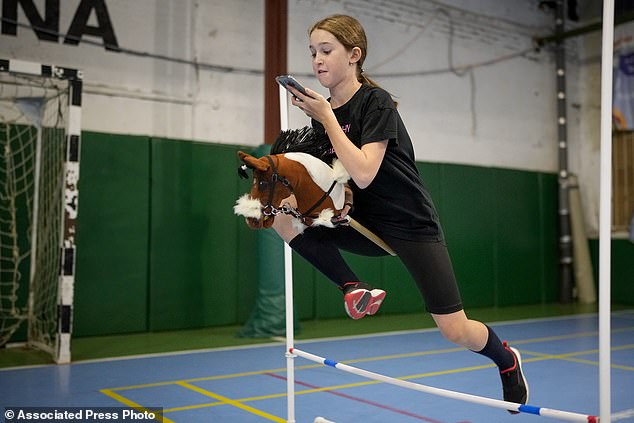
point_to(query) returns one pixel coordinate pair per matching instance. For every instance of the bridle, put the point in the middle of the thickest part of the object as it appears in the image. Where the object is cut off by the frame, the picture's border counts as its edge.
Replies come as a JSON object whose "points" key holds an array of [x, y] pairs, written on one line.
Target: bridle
{"points": [[269, 209]]}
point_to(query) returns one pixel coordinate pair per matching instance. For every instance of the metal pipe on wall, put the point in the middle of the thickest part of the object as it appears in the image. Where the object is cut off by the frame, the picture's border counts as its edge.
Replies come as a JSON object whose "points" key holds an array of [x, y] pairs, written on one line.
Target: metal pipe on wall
{"points": [[565, 238]]}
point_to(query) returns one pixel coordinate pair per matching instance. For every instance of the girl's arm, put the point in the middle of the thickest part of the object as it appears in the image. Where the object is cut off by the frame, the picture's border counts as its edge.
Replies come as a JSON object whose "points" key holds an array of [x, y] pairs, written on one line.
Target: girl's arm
{"points": [[361, 163]]}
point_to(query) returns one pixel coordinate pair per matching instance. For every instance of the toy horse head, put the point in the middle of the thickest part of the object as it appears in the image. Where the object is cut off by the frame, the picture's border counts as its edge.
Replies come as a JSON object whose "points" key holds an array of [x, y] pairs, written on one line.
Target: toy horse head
{"points": [[317, 187]]}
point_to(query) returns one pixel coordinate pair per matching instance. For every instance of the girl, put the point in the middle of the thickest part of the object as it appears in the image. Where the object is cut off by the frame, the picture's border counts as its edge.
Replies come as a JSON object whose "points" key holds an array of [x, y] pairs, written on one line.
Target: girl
{"points": [[370, 139]]}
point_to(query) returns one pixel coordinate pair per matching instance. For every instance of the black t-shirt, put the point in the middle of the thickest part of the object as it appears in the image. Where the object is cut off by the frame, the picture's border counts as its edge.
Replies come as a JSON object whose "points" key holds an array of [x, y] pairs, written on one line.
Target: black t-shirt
{"points": [[396, 203]]}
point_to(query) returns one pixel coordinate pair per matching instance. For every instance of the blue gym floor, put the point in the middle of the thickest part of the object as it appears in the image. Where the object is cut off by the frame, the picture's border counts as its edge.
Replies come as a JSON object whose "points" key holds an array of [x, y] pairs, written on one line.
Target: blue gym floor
{"points": [[243, 385]]}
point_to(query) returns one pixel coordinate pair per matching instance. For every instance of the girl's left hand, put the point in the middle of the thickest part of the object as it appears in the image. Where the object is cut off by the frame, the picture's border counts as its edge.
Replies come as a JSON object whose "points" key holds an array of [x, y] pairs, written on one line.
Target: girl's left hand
{"points": [[348, 205], [347, 208]]}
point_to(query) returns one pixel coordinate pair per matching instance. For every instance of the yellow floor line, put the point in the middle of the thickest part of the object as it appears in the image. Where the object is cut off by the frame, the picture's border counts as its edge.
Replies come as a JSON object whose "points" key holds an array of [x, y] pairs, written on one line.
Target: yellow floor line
{"points": [[193, 407], [133, 404], [215, 377], [234, 403], [570, 336], [571, 356]]}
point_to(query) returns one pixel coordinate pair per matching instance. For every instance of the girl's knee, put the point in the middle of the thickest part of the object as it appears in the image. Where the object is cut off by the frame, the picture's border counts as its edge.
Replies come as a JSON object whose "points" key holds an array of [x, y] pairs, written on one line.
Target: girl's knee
{"points": [[454, 327], [284, 227], [453, 333]]}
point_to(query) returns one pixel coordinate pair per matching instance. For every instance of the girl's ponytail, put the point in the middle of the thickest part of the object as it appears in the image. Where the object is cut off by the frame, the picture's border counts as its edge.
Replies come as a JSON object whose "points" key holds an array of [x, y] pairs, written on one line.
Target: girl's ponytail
{"points": [[364, 79]]}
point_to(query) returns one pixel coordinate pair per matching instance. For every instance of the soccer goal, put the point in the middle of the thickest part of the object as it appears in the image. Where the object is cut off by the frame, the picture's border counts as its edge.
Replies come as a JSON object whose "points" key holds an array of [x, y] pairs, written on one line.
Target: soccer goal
{"points": [[40, 127]]}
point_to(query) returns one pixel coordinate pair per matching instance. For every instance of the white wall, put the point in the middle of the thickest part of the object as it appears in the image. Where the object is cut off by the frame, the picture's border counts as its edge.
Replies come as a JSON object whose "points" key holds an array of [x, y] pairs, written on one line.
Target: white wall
{"points": [[501, 114], [139, 95]]}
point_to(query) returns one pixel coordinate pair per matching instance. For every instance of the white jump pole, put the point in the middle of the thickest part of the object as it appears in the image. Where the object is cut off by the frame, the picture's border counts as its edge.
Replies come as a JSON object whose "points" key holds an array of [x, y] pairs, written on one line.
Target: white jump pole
{"points": [[288, 292], [605, 211], [490, 402]]}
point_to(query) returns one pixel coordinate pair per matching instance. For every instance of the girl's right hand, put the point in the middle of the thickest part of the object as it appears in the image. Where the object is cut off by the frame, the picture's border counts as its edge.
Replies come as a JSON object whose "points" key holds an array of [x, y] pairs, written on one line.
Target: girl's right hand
{"points": [[315, 106]]}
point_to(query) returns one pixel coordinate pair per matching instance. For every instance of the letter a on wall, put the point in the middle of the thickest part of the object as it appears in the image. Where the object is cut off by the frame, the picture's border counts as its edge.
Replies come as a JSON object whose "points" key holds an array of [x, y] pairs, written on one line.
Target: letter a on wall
{"points": [[79, 26]]}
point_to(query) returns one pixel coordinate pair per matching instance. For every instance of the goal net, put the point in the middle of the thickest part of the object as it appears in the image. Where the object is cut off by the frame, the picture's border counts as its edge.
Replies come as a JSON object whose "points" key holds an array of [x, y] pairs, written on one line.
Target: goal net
{"points": [[39, 169]]}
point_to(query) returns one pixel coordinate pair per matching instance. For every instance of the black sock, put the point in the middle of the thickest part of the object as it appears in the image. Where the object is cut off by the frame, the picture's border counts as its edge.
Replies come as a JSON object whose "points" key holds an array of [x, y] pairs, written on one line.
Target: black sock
{"points": [[495, 350], [325, 257]]}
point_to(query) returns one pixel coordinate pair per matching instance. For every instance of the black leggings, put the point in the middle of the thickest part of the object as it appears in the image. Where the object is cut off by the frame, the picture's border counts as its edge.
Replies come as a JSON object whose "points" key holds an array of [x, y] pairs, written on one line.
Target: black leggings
{"points": [[428, 262]]}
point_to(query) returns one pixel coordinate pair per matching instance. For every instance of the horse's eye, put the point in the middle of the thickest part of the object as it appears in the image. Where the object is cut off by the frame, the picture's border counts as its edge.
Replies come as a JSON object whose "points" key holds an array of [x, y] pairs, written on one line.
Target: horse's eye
{"points": [[263, 186]]}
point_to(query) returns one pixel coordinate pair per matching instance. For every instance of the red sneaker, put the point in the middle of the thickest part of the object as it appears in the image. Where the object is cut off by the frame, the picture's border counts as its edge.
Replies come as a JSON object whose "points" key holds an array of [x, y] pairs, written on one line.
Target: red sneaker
{"points": [[360, 299]]}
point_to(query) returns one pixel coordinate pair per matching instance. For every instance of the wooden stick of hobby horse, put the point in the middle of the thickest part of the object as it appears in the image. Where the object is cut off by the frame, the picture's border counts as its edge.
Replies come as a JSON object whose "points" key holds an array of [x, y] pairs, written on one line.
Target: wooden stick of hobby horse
{"points": [[371, 236]]}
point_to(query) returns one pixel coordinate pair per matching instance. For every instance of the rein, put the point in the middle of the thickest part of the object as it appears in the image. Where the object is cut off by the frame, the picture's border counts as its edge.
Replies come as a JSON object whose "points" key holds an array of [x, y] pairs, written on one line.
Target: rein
{"points": [[303, 217]]}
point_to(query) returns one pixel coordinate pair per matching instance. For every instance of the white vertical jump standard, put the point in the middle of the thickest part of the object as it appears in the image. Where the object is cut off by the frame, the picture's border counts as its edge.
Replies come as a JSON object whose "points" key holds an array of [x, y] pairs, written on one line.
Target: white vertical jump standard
{"points": [[288, 292], [605, 212]]}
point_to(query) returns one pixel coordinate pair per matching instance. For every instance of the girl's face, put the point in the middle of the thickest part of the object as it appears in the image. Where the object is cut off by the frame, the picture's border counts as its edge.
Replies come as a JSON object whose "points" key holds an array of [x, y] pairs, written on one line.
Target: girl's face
{"points": [[332, 62]]}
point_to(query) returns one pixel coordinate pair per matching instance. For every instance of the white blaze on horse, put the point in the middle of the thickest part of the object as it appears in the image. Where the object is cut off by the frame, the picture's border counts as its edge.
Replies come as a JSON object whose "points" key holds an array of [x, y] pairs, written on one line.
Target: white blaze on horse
{"points": [[319, 190]]}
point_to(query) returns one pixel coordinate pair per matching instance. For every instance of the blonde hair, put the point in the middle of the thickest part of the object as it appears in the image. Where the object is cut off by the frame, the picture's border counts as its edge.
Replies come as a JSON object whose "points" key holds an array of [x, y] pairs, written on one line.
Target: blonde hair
{"points": [[349, 32]]}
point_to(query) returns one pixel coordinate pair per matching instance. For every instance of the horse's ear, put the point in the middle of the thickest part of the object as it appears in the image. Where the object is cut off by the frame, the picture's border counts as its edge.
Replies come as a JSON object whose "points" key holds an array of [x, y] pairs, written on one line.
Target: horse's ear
{"points": [[258, 164]]}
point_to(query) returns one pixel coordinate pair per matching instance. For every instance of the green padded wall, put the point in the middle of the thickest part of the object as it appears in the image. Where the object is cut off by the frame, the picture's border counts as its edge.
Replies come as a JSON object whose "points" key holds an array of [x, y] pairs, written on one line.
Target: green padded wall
{"points": [[159, 246], [111, 287], [622, 272], [465, 198], [519, 238], [501, 231], [305, 289], [193, 246]]}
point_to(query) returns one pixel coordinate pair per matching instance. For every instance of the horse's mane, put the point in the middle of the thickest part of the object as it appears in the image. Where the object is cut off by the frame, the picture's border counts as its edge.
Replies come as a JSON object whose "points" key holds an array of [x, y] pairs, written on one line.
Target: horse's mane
{"points": [[304, 140]]}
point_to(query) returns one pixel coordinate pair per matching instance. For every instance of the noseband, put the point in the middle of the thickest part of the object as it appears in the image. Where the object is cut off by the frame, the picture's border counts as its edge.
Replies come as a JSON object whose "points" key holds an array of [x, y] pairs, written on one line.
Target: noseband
{"points": [[269, 209]]}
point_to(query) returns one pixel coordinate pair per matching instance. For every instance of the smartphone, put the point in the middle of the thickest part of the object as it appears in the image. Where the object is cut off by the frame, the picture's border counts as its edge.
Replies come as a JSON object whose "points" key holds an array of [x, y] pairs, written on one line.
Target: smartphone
{"points": [[287, 80]]}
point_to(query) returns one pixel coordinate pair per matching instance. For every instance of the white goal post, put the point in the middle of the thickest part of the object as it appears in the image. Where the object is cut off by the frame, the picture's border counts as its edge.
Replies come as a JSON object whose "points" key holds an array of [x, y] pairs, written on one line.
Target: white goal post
{"points": [[40, 134]]}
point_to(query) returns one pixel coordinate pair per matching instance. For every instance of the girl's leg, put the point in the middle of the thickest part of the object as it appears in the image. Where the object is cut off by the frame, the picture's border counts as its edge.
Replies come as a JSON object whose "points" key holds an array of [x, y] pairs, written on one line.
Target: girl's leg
{"points": [[320, 247], [474, 335], [480, 338], [430, 266]]}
